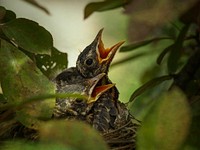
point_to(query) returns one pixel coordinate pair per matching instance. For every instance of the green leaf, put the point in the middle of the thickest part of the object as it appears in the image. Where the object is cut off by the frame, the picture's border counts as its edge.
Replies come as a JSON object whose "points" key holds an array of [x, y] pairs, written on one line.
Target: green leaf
{"points": [[103, 6], [29, 35], [2, 13], [27, 145], [167, 124], [142, 43], [6, 15], [51, 65], [150, 84], [193, 137], [72, 133], [175, 53], [21, 80], [10, 15], [196, 107], [163, 53], [2, 99]]}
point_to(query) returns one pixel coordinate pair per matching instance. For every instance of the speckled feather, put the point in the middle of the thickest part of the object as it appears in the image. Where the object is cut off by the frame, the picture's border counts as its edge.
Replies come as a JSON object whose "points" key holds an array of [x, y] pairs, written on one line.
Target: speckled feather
{"points": [[69, 81]]}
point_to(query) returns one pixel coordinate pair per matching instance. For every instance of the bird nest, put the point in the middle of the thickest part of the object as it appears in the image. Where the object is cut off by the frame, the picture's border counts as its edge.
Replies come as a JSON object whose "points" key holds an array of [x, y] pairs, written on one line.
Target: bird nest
{"points": [[124, 137]]}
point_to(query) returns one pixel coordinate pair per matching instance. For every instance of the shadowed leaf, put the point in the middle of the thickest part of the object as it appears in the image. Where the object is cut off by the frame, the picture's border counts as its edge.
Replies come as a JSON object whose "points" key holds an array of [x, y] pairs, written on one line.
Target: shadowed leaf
{"points": [[2, 13], [21, 80], [27, 145], [163, 53], [51, 65], [175, 53], [2, 99], [103, 6], [148, 85], [6, 15], [167, 124], [142, 43], [28, 35], [36, 4], [193, 137], [72, 133], [10, 15]]}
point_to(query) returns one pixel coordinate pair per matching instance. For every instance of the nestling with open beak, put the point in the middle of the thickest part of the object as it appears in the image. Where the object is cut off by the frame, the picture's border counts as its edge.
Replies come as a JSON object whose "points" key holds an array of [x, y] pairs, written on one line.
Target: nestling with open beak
{"points": [[95, 59], [79, 107]]}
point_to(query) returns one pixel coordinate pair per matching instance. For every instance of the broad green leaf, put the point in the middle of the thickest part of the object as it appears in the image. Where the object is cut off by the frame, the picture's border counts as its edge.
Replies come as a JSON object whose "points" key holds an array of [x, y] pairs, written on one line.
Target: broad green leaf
{"points": [[142, 43], [193, 137], [163, 53], [28, 35], [150, 84], [27, 145], [29, 119], [175, 53], [2, 98], [36, 4], [166, 125], [103, 6], [51, 65], [72, 133], [21, 80], [195, 105]]}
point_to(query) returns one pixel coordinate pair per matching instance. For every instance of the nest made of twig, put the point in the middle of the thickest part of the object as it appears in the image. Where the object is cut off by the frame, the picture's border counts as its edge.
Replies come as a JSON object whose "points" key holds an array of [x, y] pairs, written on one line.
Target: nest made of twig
{"points": [[124, 137]]}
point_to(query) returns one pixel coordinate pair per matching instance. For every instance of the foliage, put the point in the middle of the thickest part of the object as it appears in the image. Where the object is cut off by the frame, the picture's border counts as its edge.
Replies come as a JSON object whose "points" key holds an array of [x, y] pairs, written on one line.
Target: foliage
{"points": [[29, 62], [20, 77], [62, 135], [172, 118], [164, 129]]}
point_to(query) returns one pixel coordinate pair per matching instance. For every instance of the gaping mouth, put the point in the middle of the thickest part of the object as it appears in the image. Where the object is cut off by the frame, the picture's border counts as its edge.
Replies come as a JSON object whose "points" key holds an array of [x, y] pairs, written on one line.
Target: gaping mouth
{"points": [[99, 90], [96, 91], [105, 54]]}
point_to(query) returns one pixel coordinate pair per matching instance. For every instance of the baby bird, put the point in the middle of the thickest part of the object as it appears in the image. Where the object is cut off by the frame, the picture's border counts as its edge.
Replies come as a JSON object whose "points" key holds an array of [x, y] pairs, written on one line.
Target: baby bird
{"points": [[79, 106]]}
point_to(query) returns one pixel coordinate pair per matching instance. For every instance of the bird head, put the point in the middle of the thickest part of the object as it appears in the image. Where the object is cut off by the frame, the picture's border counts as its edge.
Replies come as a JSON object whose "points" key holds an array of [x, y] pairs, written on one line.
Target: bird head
{"points": [[87, 93], [96, 59]]}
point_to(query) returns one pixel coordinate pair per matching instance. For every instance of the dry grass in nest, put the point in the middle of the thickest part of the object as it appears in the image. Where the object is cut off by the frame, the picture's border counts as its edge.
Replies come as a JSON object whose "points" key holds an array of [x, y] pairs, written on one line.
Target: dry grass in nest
{"points": [[123, 138]]}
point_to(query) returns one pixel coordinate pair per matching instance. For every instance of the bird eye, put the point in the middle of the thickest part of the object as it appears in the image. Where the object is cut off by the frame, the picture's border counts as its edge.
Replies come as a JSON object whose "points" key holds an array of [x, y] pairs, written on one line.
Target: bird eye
{"points": [[89, 61]]}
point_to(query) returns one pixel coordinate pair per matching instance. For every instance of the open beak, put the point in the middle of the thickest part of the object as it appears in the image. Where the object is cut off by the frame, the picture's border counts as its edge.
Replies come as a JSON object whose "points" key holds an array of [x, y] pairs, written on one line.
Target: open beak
{"points": [[105, 54], [98, 91], [92, 82]]}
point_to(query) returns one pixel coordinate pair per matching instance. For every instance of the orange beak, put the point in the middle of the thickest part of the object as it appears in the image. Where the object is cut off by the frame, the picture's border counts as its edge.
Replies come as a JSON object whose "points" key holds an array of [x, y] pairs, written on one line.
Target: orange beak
{"points": [[98, 91], [105, 54]]}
